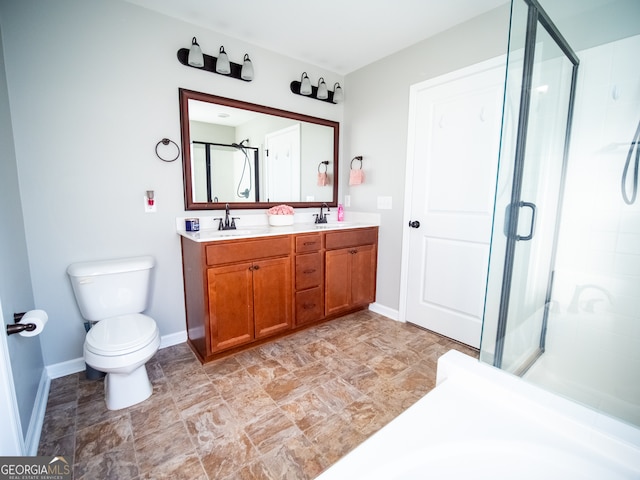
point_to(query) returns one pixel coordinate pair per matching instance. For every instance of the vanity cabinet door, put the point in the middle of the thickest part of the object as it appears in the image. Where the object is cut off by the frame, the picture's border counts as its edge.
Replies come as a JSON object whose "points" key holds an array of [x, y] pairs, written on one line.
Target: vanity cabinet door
{"points": [[363, 275], [338, 281], [272, 296], [350, 278], [230, 305]]}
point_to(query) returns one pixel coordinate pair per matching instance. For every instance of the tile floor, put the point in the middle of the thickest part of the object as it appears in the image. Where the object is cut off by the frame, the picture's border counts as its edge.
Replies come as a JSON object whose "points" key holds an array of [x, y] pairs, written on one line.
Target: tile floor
{"points": [[284, 410]]}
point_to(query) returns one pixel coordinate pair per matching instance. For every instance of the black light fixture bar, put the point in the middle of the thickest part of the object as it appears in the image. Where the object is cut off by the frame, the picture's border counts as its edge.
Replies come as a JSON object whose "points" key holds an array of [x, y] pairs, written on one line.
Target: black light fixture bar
{"points": [[295, 88], [210, 64]]}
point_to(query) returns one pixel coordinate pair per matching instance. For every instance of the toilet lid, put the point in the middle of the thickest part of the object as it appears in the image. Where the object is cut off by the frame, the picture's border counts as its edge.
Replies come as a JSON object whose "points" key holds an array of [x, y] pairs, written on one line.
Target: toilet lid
{"points": [[121, 335]]}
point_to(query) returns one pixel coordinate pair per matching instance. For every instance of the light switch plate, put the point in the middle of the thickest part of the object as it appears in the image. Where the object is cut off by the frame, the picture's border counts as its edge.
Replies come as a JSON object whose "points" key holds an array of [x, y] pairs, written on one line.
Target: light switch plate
{"points": [[385, 203], [347, 200]]}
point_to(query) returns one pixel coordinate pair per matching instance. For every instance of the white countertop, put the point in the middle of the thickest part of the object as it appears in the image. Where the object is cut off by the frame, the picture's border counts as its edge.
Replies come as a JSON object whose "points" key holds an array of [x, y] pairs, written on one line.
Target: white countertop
{"points": [[212, 235], [256, 225]]}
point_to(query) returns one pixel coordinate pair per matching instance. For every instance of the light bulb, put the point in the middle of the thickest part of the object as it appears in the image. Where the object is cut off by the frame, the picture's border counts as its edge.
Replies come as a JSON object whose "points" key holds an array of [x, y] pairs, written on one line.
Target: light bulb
{"points": [[323, 93], [196, 59], [338, 94], [222, 63], [247, 68], [305, 84]]}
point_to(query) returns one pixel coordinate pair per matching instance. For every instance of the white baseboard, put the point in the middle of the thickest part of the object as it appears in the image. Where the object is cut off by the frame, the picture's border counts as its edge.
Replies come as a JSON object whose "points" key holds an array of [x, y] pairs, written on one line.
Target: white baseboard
{"points": [[62, 369], [386, 311], [173, 339], [76, 365], [32, 439]]}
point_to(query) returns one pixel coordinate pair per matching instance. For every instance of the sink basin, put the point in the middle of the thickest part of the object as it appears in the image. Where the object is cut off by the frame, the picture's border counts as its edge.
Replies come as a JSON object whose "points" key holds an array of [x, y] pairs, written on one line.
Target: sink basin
{"points": [[210, 234], [332, 226]]}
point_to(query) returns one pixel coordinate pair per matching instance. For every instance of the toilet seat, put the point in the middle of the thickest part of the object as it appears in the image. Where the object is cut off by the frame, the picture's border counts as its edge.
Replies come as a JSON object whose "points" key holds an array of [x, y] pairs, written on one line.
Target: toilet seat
{"points": [[121, 335]]}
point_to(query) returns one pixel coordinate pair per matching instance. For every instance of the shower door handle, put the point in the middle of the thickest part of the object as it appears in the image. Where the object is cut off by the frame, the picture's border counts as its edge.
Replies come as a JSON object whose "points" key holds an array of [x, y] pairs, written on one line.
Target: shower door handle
{"points": [[532, 206], [507, 220]]}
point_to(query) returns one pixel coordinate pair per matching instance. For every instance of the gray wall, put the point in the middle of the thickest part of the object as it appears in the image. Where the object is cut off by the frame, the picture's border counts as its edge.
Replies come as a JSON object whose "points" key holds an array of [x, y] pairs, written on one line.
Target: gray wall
{"points": [[15, 282]]}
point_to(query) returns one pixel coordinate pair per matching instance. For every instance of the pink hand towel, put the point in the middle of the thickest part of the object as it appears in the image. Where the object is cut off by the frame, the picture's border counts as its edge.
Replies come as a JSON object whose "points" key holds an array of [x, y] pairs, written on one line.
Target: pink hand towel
{"points": [[323, 179], [356, 177]]}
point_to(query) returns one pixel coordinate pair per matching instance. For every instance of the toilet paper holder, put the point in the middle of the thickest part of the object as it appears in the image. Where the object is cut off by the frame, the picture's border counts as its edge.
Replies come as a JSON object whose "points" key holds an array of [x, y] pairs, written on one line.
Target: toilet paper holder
{"points": [[18, 327]]}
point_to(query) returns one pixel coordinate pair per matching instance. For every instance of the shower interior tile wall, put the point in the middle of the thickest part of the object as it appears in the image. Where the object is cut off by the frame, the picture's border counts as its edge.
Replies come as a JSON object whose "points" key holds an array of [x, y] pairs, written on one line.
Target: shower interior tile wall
{"points": [[599, 243]]}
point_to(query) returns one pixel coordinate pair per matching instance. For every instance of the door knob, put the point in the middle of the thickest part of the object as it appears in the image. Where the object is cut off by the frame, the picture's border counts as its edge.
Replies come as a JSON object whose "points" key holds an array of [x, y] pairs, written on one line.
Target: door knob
{"points": [[414, 224]]}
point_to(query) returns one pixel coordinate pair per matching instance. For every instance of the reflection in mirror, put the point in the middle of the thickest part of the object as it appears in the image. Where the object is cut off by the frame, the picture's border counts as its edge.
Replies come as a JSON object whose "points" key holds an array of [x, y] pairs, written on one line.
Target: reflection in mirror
{"points": [[214, 162], [252, 156]]}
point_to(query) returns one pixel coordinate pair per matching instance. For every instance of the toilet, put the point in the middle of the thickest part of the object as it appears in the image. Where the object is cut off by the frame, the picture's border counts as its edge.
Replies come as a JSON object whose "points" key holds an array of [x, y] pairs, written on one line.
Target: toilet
{"points": [[114, 293]]}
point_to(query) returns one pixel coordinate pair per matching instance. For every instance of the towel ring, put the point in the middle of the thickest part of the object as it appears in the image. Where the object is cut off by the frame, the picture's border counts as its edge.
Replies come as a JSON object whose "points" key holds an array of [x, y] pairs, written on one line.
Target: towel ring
{"points": [[166, 141], [359, 159], [325, 163]]}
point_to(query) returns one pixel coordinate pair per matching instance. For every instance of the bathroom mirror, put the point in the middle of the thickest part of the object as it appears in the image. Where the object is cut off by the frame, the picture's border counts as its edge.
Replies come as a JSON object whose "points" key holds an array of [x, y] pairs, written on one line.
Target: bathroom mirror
{"points": [[253, 156]]}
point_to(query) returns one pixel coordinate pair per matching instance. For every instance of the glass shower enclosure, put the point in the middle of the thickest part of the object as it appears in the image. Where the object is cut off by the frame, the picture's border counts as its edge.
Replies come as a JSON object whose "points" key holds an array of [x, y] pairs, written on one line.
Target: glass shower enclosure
{"points": [[540, 90], [551, 301]]}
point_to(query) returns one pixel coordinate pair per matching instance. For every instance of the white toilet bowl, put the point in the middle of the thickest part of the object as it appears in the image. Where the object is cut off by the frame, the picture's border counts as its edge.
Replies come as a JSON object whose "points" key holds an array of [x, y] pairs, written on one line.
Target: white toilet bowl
{"points": [[114, 293], [120, 346]]}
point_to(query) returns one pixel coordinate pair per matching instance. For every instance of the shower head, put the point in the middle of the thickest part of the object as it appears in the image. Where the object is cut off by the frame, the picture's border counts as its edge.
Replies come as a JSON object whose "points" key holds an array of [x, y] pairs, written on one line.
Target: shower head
{"points": [[241, 145]]}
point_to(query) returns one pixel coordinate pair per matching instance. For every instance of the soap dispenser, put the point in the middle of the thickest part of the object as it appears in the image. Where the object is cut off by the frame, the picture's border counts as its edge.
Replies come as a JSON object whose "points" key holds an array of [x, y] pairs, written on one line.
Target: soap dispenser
{"points": [[340, 213]]}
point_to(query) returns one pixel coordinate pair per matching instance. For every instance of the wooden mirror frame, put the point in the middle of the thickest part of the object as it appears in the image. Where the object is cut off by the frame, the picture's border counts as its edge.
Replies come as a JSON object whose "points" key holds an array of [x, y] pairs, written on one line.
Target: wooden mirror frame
{"points": [[186, 95]]}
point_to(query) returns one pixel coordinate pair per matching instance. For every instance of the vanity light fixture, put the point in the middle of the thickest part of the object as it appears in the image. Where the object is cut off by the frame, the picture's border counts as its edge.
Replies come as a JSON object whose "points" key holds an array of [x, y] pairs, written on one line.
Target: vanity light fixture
{"points": [[247, 68], [223, 65], [338, 94], [305, 84], [321, 92], [193, 57]]}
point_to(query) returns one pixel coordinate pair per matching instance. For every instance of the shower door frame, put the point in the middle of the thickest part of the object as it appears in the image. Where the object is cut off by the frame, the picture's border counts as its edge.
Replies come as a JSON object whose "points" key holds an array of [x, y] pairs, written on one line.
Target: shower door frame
{"points": [[536, 15]]}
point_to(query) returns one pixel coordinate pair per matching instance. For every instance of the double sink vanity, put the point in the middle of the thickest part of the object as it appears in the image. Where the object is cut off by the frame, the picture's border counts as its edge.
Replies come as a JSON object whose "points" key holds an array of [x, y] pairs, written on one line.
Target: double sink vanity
{"points": [[247, 286], [250, 284]]}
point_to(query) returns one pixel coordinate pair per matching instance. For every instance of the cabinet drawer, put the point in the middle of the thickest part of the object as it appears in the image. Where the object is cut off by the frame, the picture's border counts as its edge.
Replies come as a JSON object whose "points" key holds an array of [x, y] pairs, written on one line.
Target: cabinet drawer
{"points": [[232, 251], [351, 238], [308, 243], [309, 306], [308, 271]]}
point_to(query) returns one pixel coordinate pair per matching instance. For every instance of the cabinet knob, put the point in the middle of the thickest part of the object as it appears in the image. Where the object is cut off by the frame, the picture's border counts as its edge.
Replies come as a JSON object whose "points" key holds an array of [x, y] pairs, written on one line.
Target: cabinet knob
{"points": [[311, 270], [353, 252]]}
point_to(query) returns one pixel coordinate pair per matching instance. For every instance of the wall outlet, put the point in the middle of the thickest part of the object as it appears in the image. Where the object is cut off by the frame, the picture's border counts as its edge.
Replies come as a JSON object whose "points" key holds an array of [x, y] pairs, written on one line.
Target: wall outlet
{"points": [[347, 200], [385, 203]]}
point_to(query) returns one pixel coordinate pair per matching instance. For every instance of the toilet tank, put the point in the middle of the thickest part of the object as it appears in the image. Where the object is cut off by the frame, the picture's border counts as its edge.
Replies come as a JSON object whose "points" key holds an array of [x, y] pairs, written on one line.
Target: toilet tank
{"points": [[109, 288]]}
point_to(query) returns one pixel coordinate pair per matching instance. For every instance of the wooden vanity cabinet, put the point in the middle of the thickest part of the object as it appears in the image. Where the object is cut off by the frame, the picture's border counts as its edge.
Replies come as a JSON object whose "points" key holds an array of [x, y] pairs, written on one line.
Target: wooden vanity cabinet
{"points": [[244, 294], [350, 269], [240, 292]]}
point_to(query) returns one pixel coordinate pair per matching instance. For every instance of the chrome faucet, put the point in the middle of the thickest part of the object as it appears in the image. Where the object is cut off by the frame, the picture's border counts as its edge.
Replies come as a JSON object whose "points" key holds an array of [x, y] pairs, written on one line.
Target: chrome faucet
{"points": [[229, 222], [321, 218]]}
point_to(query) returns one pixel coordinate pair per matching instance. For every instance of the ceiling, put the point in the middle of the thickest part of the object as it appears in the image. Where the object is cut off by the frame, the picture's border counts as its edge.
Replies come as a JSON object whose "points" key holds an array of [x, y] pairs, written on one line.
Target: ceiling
{"points": [[338, 35]]}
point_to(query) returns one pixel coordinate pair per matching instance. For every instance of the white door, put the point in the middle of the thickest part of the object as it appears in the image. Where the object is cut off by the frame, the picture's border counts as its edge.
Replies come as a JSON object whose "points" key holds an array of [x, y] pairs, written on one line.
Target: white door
{"points": [[453, 145], [11, 441], [282, 165]]}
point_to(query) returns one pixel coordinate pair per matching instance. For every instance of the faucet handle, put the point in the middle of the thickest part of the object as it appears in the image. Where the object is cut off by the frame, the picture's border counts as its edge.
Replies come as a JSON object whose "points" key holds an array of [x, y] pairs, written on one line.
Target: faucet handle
{"points": [[220, 225], [317, 220], [233, 221]]}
